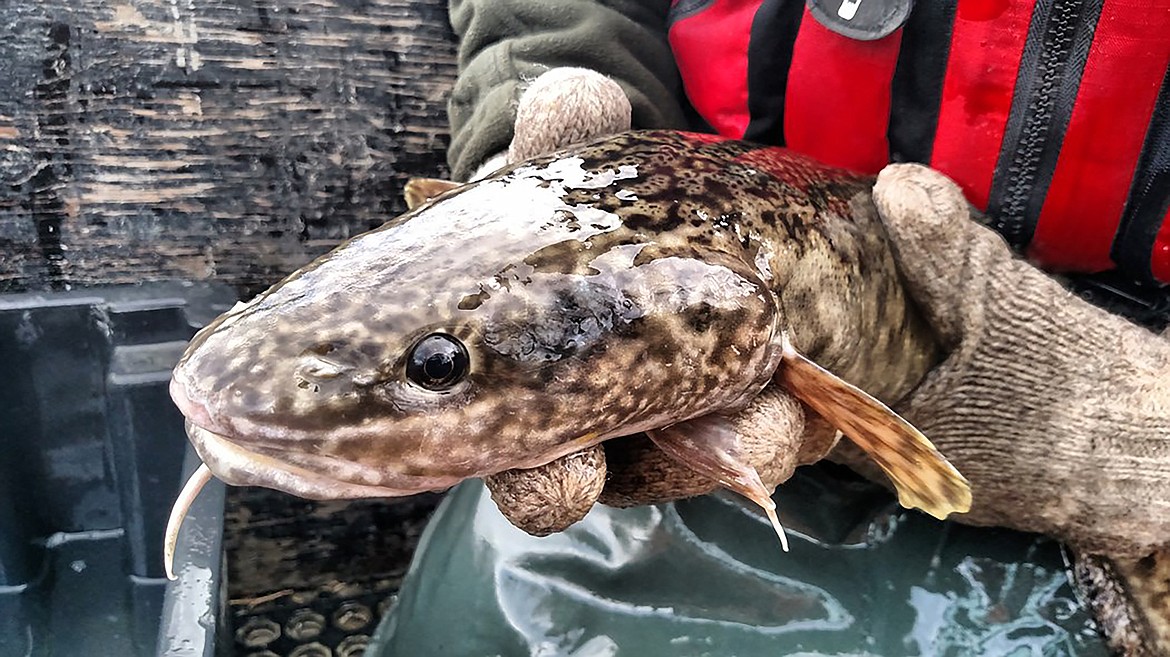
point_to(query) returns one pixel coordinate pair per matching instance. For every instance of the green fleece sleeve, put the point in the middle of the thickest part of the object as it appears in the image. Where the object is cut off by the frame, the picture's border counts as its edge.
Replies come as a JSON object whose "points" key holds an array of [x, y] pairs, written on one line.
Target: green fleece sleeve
{"points": [[504, 44]]}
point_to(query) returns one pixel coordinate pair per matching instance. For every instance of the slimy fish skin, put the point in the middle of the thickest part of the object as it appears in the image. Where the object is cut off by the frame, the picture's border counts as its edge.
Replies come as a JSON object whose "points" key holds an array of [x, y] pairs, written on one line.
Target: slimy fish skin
{"points": [[630, 284]]}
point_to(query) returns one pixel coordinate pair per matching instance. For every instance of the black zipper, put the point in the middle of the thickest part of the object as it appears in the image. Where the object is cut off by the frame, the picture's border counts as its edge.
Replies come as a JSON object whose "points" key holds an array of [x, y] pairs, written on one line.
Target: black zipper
{"points": [[1057, 46]]}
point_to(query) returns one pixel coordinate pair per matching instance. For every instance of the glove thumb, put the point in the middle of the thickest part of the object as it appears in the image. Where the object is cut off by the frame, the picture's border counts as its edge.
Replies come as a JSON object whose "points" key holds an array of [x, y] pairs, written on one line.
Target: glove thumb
{"points": [[947, 260], [565, 106]]}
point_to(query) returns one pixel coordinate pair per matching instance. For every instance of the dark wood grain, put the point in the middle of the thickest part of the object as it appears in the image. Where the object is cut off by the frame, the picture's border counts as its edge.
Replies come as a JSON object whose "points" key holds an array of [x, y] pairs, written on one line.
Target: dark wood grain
{"points": [[209, 139]]}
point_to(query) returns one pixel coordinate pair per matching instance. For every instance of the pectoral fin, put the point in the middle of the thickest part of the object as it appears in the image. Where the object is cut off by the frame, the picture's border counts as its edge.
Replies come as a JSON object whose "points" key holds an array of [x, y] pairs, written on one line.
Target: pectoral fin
{"points": [[709, 445], [923, 478], [421, 190]]}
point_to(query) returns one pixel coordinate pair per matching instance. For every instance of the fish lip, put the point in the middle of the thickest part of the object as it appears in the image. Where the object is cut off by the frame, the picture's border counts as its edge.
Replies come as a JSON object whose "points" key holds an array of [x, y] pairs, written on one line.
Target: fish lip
{"points": [[239, 466], [195, 412]]}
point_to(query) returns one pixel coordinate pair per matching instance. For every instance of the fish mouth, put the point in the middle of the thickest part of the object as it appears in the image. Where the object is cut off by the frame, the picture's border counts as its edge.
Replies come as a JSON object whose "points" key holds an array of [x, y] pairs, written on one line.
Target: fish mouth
{"points": [[239, 466], [311, 476], [226, 460]]}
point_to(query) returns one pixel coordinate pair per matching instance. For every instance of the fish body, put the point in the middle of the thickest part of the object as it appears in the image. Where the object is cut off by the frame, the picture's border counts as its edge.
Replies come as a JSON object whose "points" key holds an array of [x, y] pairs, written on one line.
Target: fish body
{"points": [[623, 285]]}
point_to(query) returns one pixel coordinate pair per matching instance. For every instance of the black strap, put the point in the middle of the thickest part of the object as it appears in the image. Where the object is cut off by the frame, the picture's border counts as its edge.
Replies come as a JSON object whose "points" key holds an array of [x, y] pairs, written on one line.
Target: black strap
{"points": [[916, 90], [769, 56], [1149, 196]]}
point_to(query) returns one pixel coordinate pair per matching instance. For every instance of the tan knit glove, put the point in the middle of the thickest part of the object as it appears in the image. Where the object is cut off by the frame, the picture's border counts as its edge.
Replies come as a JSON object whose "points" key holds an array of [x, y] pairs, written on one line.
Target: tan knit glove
{"points": [[562, 107], [1056, 411]]}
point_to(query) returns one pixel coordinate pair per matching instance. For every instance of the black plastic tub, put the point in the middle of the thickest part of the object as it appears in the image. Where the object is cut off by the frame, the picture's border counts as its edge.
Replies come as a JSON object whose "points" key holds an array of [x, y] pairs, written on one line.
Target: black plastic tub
{"points": [[93, 454]]}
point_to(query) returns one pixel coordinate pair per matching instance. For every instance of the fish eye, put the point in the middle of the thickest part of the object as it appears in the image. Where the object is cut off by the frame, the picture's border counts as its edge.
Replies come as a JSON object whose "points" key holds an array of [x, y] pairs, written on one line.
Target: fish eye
{"points": [[437, 362]]}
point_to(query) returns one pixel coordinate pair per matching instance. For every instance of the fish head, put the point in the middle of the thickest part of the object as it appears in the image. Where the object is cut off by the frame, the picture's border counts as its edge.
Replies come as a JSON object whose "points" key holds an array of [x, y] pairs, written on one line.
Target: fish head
{"points": [[503, 325]]}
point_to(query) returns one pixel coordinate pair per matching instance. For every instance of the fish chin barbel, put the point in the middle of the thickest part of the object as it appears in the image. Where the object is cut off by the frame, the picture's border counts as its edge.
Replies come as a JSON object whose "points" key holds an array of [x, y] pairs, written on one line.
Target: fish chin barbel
{"points": [[649, 282]]}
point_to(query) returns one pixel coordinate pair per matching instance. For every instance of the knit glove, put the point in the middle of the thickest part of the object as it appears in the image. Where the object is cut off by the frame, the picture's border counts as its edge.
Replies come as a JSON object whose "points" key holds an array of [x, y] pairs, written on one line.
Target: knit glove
{"points": [[562, 107], [1056, 411]]}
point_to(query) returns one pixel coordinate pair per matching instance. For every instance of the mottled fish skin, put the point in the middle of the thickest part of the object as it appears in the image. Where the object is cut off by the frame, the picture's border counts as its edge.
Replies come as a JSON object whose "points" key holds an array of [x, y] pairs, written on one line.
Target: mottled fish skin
{"points": [[622, 285]]}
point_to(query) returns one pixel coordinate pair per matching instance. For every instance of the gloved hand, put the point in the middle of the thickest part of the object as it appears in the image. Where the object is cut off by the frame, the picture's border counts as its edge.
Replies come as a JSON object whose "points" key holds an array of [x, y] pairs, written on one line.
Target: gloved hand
{"points": [[1056, 411]]}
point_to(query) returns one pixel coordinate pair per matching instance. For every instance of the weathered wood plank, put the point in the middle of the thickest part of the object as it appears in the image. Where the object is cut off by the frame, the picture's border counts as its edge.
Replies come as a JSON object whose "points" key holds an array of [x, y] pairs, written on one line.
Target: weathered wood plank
{"points": [[225, 139]]}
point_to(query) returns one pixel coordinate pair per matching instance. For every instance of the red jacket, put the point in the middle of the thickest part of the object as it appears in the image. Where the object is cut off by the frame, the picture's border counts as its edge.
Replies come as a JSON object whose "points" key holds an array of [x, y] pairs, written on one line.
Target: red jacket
{"points": [[1054, 116]]}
